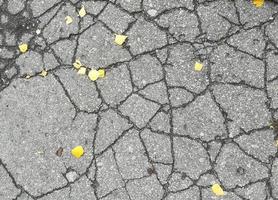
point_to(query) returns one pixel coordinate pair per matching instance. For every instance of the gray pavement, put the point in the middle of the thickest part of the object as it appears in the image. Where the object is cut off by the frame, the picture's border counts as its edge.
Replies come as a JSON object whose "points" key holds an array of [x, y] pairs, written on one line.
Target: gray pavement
{"points": [[154, 127]]}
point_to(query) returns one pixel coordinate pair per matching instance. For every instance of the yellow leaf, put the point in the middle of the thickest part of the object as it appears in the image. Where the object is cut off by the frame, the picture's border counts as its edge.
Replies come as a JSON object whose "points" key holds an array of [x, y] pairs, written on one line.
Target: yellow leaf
{"points": [[82, 11], [258, 3], [68, 19], [120, 39], [23, 47], [77, 64], [82, 71], [217, 190], [101, 73], [198, 66], [77, 151], [93, 75], [43, 73]]}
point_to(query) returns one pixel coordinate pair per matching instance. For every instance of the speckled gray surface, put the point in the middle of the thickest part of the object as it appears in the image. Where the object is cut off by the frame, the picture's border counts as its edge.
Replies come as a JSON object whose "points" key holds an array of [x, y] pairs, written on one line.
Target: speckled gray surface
{"points": [[153, 128]]}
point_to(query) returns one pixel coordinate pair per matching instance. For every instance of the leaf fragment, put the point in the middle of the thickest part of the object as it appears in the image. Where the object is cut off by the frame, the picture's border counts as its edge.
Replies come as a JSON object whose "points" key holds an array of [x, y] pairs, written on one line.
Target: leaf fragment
{"points": [[23, 47], [82, 71], [77, 64], [43, 73], [93, 75], [68, 20], [77, 151], [217, 190], [120, 39], [198, 66], [101, 73], [59, 152], [258, 3], [82, 12]]}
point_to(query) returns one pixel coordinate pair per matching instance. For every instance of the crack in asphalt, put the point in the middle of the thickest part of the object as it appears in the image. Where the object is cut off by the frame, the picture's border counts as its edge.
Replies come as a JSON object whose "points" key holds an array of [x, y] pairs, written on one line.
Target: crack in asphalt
{"points": [[23, 26]]}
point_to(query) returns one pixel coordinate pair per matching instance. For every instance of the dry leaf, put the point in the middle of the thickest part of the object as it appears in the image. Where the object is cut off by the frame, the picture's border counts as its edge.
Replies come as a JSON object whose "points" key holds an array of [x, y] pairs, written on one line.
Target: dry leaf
{"points": [[82, 71], [198, 66], [43, 73], [68, 19], [59, 152], [82, 11], [93, 75], [217, 190], [120, 39], [77, 151], [258, 3], [77, 64], [101, 73], [23, 47]]}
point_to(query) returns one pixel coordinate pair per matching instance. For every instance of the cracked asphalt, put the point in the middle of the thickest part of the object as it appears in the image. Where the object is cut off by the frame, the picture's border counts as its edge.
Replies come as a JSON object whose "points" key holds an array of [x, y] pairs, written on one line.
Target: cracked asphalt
{"points": [[153, 128]]}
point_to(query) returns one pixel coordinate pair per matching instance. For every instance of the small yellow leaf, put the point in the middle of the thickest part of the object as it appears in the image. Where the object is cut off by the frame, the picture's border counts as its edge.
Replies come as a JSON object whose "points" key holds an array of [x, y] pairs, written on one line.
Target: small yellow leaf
{"points": [[77, 151], [82, 71], [43, 73], [198, 66], [93, 75], [82, 12], [23, 47], [77, 64], [217, 190], [258, 3], [101, 73], [120, 39], [68, 20]]}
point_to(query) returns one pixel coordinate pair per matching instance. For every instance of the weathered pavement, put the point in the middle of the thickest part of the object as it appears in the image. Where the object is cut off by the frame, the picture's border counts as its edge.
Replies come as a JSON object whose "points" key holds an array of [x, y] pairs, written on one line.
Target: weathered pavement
{"points": [[153, 128]]}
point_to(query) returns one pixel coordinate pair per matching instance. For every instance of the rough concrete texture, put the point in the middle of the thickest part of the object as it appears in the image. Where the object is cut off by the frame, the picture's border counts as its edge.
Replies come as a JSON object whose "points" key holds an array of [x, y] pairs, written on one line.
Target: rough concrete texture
{"points": [[153, 128]]}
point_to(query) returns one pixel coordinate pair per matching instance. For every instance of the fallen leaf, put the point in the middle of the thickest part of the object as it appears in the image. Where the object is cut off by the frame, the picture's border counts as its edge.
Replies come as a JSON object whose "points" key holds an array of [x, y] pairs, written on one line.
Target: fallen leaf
{"points": [[59, 152], [101, 73], [23, 47], [198, 66], [258, 3], [43, 73], [82, 71], [77, 64], [82, 12], [93, 75], [120, 39], [68, 19], [77, 151], [217, 190]]}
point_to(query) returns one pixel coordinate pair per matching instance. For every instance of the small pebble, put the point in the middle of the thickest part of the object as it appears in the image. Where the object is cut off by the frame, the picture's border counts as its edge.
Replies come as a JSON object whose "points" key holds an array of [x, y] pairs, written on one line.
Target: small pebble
{"points": [[152, 12], [71, 176], [38, 31]]}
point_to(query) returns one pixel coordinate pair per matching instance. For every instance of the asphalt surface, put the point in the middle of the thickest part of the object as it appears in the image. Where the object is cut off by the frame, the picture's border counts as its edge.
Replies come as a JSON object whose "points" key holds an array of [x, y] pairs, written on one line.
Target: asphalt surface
{"points": [[153, 128]]}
